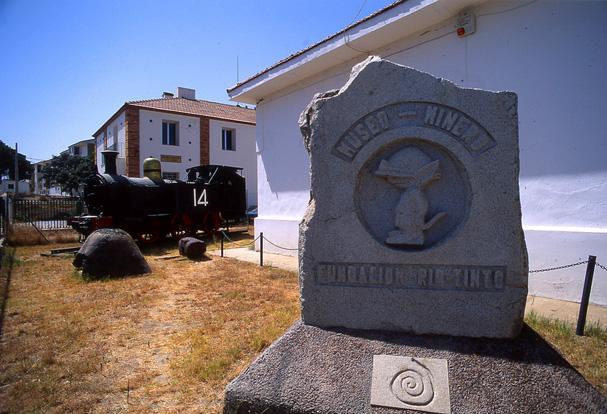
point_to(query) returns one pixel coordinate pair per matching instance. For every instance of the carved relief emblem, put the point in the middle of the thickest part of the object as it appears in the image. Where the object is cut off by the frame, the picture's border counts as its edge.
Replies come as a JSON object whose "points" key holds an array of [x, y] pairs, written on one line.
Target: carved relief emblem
{"points": [[412, 194], [411, 171]]}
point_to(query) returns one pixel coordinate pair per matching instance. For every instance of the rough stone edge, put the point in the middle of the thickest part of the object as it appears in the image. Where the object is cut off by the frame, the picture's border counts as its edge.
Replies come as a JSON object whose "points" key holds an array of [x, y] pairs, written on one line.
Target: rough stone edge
{"points": [[306, 119]]}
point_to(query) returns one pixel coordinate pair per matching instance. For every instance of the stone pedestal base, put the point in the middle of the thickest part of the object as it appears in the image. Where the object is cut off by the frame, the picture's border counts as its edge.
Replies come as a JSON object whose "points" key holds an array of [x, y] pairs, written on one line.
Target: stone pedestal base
{"points": [[320, 371]]}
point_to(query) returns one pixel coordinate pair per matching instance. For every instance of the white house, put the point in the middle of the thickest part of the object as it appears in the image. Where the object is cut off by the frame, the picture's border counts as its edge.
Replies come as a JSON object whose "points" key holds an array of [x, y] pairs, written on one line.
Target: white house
{"points": [[182, 132], [552, 54], [84, 148]]}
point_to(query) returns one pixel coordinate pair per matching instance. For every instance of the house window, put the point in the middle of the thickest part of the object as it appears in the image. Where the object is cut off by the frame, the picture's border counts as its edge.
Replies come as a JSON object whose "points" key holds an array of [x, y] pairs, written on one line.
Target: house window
{"points": [[76, 150], [169, 133], [228, 139], [166, 175]]}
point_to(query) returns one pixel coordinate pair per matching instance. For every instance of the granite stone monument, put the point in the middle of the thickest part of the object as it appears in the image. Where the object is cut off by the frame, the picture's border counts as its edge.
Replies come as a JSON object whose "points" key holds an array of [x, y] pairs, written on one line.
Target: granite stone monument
{"points": [[413, 266], [424, 234]]}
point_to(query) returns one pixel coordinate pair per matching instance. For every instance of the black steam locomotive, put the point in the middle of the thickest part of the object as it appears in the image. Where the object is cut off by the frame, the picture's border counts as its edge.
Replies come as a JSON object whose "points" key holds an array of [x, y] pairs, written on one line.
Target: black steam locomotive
{"points": [[150, 208]]}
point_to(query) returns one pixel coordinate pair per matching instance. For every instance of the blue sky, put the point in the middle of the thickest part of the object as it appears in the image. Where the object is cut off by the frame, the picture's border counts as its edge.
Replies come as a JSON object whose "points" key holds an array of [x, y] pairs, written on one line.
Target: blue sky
{"points": [[67, 66]]}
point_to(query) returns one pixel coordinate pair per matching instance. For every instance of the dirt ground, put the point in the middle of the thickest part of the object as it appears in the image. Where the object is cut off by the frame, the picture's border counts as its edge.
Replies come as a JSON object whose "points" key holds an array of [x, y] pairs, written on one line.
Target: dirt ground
{"points": [[165, 342]]}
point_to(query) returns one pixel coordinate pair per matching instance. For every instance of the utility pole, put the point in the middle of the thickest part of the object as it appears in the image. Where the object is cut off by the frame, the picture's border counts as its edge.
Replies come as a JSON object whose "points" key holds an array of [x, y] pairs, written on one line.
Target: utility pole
{"points": [[36, 185], [16, 169]]}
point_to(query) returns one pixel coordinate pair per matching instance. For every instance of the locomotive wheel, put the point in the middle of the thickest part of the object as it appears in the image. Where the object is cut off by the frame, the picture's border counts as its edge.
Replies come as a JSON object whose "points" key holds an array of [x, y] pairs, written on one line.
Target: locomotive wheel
{"points": [[182, 230], [212, 223], [149, 237]]}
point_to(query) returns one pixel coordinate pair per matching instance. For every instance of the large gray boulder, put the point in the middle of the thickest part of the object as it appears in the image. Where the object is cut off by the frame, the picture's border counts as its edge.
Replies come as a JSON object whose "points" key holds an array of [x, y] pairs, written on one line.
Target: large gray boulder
{"points": [[110, 252]]}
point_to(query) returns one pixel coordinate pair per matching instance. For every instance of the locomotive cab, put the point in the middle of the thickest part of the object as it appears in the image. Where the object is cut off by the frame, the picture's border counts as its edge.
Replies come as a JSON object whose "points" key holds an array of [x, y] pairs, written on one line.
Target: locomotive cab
{"points": [[225, 186], [209, 174]]}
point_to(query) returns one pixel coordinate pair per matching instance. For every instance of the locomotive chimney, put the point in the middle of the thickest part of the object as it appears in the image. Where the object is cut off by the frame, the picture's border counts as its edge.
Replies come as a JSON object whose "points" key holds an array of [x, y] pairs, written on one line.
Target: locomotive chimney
{"points": [[109, 159]]}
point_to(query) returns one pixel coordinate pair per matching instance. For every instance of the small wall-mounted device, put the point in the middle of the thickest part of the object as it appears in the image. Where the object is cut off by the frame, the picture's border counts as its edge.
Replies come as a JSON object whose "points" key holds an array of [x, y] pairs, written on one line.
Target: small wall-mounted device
{"points": [[465, 24]]}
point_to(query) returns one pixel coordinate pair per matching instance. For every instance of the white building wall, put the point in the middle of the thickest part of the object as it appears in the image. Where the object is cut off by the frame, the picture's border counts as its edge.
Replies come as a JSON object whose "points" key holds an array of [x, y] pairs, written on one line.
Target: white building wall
{"points": [[150, 141], [80, 149], [243, 157], [84, 150], [552, 55], [98, 148], [115, 133], [8, 186]]}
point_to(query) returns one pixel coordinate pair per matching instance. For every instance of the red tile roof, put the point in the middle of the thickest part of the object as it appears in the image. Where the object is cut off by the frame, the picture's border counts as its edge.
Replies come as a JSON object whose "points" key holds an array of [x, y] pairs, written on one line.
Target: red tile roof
{"points": [[199, 108]]}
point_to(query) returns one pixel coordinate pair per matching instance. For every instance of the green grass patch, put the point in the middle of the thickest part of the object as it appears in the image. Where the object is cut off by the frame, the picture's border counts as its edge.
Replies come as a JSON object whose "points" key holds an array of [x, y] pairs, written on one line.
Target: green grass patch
{"points": [[588, 353]]}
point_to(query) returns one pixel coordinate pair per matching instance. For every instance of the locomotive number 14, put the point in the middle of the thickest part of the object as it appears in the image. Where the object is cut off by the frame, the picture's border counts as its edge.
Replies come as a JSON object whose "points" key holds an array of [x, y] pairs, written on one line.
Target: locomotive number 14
{"points": [[202, 199]]}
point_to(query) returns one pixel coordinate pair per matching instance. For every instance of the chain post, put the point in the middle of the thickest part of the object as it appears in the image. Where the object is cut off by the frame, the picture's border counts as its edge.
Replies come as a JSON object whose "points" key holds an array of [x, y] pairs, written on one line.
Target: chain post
{"points": [[6, 215], [222, 244], [261, 249], [581, 320]]}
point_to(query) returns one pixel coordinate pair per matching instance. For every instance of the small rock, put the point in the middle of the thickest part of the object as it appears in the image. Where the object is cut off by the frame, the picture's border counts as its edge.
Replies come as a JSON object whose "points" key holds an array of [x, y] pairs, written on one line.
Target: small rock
{"points": [[192, 248]]}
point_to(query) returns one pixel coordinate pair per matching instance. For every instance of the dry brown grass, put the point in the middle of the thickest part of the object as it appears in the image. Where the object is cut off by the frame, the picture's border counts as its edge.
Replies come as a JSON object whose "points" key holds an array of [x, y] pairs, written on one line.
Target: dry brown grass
{"points": [[165, 342], [25, 235]]}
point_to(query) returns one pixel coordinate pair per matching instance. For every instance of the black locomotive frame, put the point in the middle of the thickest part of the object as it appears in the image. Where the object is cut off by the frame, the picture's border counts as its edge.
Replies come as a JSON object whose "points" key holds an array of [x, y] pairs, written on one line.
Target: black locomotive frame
{"points": [[151, 209]]}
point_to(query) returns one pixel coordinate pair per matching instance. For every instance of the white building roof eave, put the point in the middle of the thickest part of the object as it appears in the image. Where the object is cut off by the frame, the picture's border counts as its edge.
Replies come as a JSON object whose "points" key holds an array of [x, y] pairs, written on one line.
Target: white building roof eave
{"points": [[393, 23]]}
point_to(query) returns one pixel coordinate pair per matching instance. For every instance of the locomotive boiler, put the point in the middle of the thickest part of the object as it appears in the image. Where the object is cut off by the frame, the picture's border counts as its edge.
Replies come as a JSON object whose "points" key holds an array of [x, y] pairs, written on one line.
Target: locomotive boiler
{"points": [[150, 208]]}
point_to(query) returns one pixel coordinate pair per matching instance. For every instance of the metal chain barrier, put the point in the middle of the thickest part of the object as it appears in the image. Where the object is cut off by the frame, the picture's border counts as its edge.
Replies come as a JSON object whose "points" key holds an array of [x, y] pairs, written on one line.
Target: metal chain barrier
{"points": [[591, 263], [261, 238], [548, 269], [280, 247], [239, 245]]}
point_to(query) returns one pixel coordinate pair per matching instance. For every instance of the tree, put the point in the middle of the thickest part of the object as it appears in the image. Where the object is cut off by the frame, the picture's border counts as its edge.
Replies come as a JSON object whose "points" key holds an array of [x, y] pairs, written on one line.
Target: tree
{"points": [[68, 171], [7, 162]]}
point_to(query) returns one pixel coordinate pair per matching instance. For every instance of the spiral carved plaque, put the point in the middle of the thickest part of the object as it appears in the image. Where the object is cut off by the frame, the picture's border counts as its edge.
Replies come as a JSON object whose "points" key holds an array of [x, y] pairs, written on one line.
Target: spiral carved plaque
{"points": [[420, 384], [413, 385]]}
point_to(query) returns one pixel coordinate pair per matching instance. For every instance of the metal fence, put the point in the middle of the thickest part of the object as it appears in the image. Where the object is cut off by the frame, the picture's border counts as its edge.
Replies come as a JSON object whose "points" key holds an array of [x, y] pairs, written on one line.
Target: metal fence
{"points": [[45, 213], [3, 217]]}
